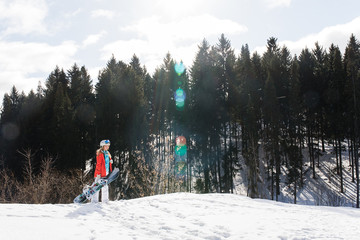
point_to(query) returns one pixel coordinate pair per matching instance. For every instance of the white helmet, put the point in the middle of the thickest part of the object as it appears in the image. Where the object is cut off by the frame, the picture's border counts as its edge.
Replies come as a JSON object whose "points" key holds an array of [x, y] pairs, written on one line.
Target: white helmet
{"points": [[104, 142]]}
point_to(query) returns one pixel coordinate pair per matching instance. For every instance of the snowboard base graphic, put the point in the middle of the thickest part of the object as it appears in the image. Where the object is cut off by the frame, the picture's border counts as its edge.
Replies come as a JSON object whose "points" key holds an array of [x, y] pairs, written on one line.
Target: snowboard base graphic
{"points": [[89, 191]]}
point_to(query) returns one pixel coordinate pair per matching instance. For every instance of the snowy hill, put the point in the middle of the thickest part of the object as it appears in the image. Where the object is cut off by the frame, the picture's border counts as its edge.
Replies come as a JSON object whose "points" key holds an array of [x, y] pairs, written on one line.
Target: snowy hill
{"points": [[324, 190], [179, 216]]}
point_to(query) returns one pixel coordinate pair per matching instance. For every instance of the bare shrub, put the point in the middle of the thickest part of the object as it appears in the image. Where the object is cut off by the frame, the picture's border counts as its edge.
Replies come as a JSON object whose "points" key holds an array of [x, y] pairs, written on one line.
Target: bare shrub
{"points": [[65, 186], [7, 186], [47, 186], [28, 166]]}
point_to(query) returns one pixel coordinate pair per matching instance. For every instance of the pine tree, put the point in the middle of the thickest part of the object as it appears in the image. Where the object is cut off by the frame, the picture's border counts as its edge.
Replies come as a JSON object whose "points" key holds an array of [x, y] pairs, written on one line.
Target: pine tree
{"points": [[224, 69], [310, 99], [203, 104], [272, 117], [249, 114], [30, 116], [108, 123], [10, 127], [294, 132], [56, 121], [144, 114], [320, 77], [352, 91], [336, 103], [82, 100], [149, 95]]}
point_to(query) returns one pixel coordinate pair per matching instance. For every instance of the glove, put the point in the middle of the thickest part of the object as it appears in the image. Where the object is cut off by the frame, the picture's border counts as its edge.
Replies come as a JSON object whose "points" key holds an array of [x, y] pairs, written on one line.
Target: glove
{"points": [[111, 161], [97, 178]]}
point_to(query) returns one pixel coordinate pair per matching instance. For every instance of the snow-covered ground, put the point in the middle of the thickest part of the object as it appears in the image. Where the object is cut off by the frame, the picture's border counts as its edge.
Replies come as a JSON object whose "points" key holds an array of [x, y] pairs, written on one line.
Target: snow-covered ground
{"points": [[179, 216], [324, 190]]}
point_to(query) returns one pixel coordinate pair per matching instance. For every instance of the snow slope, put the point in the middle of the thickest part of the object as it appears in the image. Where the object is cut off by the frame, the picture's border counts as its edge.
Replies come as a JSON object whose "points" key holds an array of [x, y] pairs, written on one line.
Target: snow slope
{"points": [[324, 190], [179, 216]]}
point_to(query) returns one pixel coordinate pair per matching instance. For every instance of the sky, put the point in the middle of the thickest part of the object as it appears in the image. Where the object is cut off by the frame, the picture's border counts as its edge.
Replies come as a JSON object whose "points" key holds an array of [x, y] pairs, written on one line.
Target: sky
{"points": [[38, 35]]}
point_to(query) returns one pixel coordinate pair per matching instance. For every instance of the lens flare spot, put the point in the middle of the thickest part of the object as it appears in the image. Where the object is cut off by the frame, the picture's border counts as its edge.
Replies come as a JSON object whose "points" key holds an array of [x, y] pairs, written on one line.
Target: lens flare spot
{"points": [[179, 92], [180, 168], [10, 131], [180, 97], [180, 141], [180, 156], [180, 150], [179, 68]]}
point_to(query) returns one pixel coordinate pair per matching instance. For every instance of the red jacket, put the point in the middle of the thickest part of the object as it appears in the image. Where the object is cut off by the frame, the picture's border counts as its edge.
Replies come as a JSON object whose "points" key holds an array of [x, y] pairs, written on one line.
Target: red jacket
{"points": [[100, 165]]}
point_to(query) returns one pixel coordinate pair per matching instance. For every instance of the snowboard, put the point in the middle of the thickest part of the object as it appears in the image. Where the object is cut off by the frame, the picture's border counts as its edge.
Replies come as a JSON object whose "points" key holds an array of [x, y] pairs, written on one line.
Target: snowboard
{"points": [[89, 191]]}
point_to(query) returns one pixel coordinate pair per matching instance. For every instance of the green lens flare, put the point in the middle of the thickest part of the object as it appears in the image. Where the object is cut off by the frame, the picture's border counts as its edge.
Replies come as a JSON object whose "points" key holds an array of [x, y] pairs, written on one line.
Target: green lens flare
{"points": [[179, 92], [180, 104], [180, 156], [180, 150], [179, 96]]}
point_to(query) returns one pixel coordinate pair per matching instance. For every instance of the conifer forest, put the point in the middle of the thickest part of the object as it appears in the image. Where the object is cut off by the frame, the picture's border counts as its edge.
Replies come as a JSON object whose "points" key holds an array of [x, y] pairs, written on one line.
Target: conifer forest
{"points": [[186, 128]]}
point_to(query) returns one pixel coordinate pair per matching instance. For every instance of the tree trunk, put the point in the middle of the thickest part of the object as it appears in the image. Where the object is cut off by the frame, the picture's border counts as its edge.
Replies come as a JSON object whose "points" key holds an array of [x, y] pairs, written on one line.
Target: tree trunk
{"points": [[206, 171], [341, 170], [311, 151], [337, 157], [231, 159], [277, 162], [219, 168], [272, 183], [226, 165], [295, 192], [352, 162]]}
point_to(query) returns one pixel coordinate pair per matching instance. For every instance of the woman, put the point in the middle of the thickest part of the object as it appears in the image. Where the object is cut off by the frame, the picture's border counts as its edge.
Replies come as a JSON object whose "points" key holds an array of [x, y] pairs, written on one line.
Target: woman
{"points": [[103, 168]]}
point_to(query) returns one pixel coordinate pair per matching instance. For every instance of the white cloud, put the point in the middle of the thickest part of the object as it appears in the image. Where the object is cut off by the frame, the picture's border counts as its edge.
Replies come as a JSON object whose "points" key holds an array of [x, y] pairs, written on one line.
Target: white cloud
{"points": [[175, 8], [74, 13], [23, 16], [20, 62], [103, 13], [338, 35], [180, 37], [151, 54], [124, 50], [278, 3], [192, 27], [94, 38]]}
